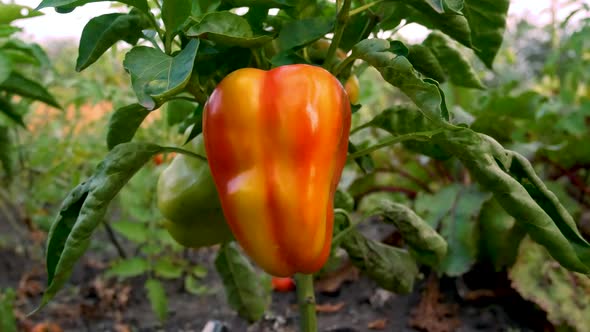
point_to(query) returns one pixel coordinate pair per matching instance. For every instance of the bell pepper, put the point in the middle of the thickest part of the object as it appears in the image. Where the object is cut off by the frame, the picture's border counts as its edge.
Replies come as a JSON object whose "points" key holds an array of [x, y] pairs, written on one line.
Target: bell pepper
{"points": [[188, 199], [276, 143]]}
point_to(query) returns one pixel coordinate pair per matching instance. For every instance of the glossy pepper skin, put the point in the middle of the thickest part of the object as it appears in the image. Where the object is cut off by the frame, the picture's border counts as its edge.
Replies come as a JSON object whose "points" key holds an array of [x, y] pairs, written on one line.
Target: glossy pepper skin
{"points": [[276, 143]]}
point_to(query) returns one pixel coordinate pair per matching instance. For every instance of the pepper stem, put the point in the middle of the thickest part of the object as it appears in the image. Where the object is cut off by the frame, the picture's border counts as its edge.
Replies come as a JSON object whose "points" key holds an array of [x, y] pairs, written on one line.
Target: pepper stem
{"points": [[306, 300]]}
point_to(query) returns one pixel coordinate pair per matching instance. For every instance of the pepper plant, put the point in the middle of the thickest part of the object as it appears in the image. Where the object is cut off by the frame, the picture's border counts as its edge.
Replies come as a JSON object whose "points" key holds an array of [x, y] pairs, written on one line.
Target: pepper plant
{"points": [[182, 50]]}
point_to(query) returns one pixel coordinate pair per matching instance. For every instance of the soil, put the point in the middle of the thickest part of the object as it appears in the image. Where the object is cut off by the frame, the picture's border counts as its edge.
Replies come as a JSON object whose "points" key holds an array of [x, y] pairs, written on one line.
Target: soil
{"points": [[481, 300]]}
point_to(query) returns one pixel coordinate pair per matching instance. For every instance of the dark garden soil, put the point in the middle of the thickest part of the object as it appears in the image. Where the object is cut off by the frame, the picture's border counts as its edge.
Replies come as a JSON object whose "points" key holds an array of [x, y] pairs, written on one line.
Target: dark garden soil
{"points": [[481, 301], [347, 301]]}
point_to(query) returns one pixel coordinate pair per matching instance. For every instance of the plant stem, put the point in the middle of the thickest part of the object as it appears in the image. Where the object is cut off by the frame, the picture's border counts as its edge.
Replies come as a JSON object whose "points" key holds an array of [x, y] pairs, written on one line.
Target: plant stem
{"points": [[363, 8], [183, 151], [419, 136], [341, 20], [306, 300]]}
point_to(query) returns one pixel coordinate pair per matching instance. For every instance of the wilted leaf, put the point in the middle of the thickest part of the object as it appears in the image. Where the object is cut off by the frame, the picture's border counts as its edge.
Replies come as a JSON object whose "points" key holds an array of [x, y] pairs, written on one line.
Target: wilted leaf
{"points": [[227, 28], [391, 268], [246, 291], [17, 83], [562, 294]]}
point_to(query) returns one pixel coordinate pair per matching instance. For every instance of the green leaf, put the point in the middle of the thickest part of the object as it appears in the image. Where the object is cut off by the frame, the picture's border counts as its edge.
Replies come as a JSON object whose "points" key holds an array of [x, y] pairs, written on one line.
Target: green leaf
{"points": [[487, 22], [66, 6], [133, 231], [302, 32], [156, 76], [6, 160], [562, 294], [426, 62], [131, 267], [7, 306], [167, 269], [226, 28], [193, 286], [454, 210], [199, 271], [174, 14], [16, 83], [425, 243], [12, 12], [522, 194], [178, 110], [5, 66], [124, 123], [102, 32], [452, 24], [7, 109], [496, 224], [398, 71], [7, 30], [403, 120], [391, 268], [267, 3], [456, 65], [245, 289], [18, 50], [157, 296], [365, 163], [84, 209]]}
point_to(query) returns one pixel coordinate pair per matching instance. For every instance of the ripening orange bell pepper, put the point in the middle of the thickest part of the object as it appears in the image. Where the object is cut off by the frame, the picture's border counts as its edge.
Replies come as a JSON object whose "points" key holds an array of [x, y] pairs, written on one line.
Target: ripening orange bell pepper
{"points": [[276, 143]]}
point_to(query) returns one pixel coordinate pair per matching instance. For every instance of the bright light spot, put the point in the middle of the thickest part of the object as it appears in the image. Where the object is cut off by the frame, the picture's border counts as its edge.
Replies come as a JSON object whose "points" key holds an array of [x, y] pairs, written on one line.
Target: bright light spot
{"points": [[241, 10], [24, 12], [414, 33], [273, 11], [330, 35]]}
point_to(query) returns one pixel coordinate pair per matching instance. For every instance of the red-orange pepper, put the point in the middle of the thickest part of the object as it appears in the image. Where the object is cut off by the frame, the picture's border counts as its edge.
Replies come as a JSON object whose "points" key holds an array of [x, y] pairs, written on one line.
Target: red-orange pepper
{"points": [[276, 143]]}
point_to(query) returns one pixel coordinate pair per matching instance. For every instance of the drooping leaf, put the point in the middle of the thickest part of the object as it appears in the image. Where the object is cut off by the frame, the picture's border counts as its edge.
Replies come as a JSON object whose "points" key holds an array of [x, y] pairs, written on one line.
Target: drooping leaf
{"points": [[391, 268], [19, 50], [398, 71], [487, 22], [455, 64], [226, 28], [7, 30], [11, 12], [405, 120], [66, 6], [302, 32], [102, 32], [84, 209], [247, 292], [124, 123], [426, 62], [157, 296], [519, 190], [496, 224], [562, 294], [425, 243], [156, 76], [20, 85]]}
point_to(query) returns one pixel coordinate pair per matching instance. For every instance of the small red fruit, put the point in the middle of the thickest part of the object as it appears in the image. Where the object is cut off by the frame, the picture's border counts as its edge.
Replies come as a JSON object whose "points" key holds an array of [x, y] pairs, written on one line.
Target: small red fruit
{"points": [[283, 284]]}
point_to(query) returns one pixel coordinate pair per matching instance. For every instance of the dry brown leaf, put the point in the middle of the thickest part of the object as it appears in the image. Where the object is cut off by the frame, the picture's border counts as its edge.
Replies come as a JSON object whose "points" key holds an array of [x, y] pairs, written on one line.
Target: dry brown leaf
{"points": [[122, 328], [329, 307], [46, 327], [378, 324], [29, 284], [331, 282], [432, 314]]}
